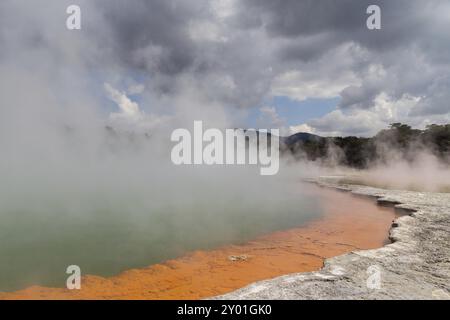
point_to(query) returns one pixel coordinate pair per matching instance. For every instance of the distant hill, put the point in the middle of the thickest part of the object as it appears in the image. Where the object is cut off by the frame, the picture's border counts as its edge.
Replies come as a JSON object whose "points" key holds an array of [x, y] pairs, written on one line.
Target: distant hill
{"points": [[300, 137]]}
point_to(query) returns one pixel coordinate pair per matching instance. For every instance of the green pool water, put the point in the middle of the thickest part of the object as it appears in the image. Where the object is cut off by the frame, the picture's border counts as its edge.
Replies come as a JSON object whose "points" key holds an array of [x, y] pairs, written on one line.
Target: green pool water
{"points": [[37, 246]]}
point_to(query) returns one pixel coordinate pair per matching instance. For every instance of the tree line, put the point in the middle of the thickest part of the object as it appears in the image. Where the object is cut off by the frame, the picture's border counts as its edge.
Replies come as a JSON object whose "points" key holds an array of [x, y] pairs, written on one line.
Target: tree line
{"points": [[399, 141]]}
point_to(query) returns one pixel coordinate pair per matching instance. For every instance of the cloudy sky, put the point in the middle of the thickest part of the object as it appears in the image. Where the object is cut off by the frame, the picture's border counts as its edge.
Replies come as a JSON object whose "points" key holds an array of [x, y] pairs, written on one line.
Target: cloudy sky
{"points": [[297, 65]]}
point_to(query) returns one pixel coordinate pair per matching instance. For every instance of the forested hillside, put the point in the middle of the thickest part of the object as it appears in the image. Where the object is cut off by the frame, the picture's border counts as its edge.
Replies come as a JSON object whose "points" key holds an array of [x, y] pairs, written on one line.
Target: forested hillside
{"points": [[399, 141]]}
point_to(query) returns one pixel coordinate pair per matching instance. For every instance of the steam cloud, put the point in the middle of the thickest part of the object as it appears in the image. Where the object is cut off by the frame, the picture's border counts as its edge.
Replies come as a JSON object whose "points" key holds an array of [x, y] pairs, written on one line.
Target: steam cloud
{"points": [[86, 116]]}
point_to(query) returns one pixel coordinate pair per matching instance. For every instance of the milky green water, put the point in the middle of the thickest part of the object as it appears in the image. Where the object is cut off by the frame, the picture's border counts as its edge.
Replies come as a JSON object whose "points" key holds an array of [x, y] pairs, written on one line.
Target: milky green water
{"points": [[36, 248]]}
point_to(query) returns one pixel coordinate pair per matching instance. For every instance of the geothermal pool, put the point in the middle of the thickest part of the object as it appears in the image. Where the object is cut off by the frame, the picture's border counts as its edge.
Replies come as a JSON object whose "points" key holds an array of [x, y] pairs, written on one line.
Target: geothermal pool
{"points": [[36, 247], [214, 257]]}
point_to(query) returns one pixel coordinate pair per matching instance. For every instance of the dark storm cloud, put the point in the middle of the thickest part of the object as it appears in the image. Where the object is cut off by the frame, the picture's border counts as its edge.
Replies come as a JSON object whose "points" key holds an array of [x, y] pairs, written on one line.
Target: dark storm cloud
{"points": [[358, 96], [238, 58], [152, 34], [316, 27], [344, 19], [308, 48]]}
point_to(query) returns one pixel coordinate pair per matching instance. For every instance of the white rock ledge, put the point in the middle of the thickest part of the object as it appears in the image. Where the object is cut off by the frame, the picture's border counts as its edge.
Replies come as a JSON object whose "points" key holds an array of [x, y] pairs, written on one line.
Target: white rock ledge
{"points": [[416, 265]]}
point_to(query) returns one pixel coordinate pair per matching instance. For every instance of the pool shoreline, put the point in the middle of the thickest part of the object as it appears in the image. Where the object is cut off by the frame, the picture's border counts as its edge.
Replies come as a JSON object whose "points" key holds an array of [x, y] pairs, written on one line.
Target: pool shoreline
{"points": [[414, 266]]}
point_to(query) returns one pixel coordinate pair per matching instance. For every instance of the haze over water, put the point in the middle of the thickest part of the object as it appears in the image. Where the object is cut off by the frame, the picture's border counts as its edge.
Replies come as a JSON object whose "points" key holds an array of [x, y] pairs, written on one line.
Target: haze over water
{"points": [[37, 247]]}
